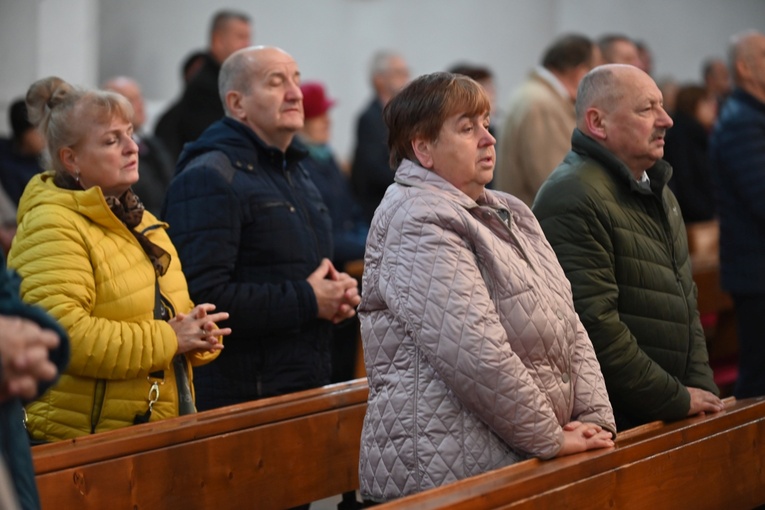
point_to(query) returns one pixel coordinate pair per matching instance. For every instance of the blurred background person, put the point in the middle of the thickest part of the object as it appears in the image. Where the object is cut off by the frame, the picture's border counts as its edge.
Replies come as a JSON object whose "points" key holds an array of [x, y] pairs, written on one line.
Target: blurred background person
{"points": [[166, 128], [91, 255], [200, 105], [687, 150], [540, 117], [370, 171], [645, 57], [619, 49], [716, 77], [154, 161], [20, 155], [445, 341], [349, 229], [738, 155]]}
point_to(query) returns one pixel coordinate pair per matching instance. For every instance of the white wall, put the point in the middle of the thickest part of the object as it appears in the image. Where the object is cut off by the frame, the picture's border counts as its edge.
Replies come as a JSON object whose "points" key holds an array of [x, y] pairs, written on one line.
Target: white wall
{"points": [[332, 40]]}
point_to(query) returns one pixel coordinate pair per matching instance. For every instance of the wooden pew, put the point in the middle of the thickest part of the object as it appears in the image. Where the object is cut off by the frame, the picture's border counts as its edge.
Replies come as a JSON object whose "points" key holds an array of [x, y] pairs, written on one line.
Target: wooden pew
{"points": [[268, 454], [711, 462]]}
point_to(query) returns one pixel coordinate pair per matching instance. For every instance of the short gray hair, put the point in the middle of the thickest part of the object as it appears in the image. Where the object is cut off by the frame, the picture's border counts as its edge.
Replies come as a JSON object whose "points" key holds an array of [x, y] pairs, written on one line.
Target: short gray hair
{"points": [[381, 62], [597, 87]]}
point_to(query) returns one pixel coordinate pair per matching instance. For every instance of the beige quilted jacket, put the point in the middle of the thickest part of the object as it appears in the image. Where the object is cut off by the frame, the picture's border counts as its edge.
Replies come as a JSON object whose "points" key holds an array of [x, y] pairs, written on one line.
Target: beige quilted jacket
{"points": [[474, 354]]}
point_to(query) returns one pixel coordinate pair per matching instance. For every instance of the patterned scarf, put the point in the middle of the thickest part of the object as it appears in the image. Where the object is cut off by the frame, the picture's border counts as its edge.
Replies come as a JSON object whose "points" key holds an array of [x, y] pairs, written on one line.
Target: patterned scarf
{"points": [[129, 209]]}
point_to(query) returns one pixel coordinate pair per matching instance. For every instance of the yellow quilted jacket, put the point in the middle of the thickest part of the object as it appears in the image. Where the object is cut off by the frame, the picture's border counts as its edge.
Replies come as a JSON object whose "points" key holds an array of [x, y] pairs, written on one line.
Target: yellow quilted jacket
{"points": [[79, 262]]}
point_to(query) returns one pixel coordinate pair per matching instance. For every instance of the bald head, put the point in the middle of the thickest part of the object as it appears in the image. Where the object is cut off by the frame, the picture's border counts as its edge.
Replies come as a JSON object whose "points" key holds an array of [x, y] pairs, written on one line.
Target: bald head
{"points": [[747, 60], [239, 69], [129, 88]]}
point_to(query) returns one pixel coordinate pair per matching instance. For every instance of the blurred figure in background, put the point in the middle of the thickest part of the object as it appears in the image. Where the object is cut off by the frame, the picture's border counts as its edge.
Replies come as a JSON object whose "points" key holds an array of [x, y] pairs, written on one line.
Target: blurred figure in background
{"points": [[716, 78], [687, 150], [166, 128], [619, 49], [20, 155], [370, 172], [645, 55], [540, 117], [155, 164], [738, 156], [200, 105], [349, 229]]}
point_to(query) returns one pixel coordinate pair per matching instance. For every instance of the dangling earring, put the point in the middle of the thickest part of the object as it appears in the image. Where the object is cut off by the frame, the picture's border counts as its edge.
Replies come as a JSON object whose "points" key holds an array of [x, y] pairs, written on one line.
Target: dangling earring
{"points": [[77, 175]]}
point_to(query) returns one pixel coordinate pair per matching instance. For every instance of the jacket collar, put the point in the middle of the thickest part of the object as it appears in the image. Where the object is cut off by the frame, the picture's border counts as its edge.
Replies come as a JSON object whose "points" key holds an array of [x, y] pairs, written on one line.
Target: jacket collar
{"points": [[237, 141], [413, 175], [748, 99], [659, 173]]}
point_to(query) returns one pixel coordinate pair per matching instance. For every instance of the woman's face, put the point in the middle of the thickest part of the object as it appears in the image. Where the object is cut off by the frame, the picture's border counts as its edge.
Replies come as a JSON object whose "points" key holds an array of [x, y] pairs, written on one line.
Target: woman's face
{"points": [[317, 129], [107, 156], [463, 154]]}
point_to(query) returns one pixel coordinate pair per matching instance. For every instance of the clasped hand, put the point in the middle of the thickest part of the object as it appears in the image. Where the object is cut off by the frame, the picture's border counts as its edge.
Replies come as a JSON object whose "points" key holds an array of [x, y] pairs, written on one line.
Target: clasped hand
{"points": [[24, 350], [197, 329], [337, 294]]}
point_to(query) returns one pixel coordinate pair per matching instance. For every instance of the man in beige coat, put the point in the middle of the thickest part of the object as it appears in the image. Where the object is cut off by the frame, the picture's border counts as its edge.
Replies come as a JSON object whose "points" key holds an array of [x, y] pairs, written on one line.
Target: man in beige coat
{"points": [[540, 117]]}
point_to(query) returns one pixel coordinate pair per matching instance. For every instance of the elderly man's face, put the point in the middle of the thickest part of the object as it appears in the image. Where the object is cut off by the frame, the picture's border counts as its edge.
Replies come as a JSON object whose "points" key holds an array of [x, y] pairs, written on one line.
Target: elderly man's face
{"points": [[636, 124], [273, 107]]}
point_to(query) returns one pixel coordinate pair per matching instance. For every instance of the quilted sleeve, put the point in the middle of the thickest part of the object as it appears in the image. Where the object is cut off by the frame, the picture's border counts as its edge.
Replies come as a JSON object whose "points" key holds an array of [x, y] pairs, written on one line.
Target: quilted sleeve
{"points": [[432, 281], [51, 256], [579, 234]]}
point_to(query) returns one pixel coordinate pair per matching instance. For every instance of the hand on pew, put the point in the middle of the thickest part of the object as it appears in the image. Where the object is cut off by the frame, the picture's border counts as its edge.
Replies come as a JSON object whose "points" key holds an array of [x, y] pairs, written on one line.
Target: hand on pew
{"points": [[197, 329], [703, 401], [579, 437]]}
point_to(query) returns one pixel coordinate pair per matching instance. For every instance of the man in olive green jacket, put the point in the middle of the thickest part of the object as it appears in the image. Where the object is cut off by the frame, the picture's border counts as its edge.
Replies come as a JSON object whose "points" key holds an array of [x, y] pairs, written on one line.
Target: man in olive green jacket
{"points": [[619, 235]]}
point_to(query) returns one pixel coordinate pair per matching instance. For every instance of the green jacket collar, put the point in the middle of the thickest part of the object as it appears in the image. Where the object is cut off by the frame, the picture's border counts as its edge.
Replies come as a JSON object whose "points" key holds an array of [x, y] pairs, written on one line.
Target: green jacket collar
{"points": [[659, 173]]}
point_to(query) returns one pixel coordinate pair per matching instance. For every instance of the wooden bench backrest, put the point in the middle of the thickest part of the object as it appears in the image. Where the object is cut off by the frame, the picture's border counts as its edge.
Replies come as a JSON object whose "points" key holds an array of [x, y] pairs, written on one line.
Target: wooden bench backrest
{"points": [[269, 454], [704, 462]]}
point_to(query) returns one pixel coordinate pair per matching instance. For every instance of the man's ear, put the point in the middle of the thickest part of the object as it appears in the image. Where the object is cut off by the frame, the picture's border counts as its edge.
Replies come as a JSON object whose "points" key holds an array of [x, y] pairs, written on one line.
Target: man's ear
{"points": [[742, 69], [596, 123], [422, 150], [234, 104]]}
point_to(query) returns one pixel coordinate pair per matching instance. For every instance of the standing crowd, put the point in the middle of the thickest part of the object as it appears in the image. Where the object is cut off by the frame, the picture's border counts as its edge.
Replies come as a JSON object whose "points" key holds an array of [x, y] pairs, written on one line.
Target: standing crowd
{"points": [[527, 285]]}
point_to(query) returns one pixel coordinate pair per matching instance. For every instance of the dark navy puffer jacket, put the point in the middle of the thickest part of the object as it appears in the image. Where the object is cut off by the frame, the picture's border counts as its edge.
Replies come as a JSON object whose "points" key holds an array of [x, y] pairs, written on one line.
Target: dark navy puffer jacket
{"points": [[738, 151], [250, 227]]}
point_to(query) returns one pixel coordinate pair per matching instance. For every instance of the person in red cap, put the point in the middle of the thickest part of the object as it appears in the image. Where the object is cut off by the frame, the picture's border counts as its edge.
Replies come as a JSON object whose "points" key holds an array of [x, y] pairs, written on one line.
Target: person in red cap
{"points": [[349, 229]]}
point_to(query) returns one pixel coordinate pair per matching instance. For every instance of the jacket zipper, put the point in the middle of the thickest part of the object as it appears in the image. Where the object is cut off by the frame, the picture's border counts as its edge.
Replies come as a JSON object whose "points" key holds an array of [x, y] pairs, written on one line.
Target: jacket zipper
{"points": [[304, 212], [99, 394]]}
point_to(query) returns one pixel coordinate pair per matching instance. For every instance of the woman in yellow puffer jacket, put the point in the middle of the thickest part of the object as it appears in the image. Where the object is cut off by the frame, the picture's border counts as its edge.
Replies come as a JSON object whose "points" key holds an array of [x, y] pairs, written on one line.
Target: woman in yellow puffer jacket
{"points": [[90, 255]]}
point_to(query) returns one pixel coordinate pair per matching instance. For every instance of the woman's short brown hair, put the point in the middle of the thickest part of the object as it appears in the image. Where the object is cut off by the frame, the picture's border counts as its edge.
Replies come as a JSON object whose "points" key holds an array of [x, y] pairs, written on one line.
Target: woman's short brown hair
{"points": [[422, 107]]}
